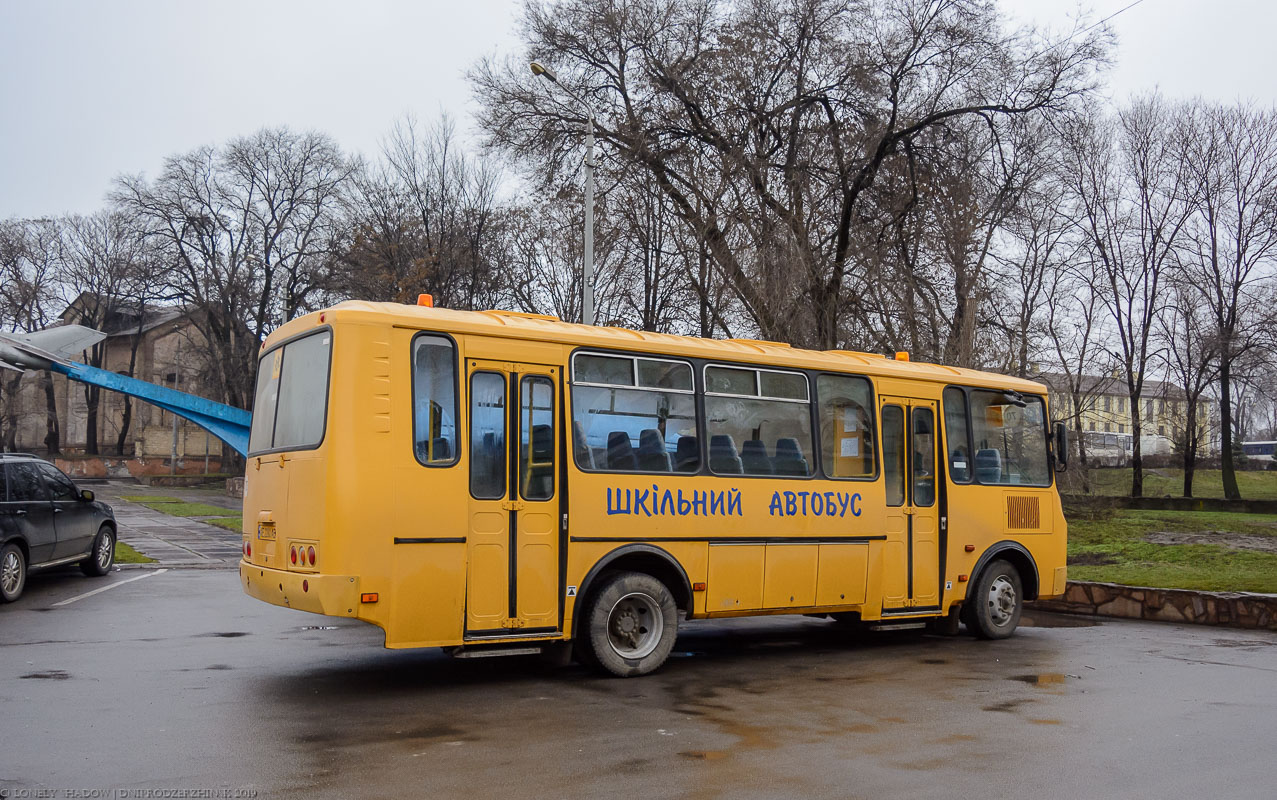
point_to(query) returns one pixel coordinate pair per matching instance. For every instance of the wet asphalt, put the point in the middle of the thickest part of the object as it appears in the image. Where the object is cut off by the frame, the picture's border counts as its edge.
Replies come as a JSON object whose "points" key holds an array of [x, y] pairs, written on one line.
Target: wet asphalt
{"points": [[177, 682]]}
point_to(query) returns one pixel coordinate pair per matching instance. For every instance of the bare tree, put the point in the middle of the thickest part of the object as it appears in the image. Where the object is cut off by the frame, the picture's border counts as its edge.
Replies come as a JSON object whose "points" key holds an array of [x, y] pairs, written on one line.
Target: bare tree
{"points": [[1190, 353], [421, 219], [798, 108], [1133, 190], [1233, 239], [246, 230], [28, 292]]}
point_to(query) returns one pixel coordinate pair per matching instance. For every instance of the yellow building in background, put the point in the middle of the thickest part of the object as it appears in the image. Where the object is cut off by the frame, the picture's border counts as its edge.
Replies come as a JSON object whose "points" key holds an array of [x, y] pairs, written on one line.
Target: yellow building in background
{"points": [[1105, 417]]}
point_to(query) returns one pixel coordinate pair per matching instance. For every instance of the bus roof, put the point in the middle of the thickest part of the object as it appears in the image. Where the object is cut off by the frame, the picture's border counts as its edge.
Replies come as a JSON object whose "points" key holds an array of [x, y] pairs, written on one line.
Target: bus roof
{"points": [[519, 325]]}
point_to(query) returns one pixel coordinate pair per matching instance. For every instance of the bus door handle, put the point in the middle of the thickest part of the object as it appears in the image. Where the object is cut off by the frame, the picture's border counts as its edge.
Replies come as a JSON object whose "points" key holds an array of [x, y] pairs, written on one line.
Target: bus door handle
{"points": [[512, 505]]}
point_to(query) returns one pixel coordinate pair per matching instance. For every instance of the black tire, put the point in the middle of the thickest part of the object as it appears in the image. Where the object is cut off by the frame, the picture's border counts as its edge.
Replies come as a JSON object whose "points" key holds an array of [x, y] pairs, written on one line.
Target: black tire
{"points": [[13, 573], [996, 602], [630, 625], [102, 556]]}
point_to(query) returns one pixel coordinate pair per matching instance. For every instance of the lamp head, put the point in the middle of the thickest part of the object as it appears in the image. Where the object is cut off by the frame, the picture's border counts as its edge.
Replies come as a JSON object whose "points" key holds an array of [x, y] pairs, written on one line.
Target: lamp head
{"points": [[543, 71]]}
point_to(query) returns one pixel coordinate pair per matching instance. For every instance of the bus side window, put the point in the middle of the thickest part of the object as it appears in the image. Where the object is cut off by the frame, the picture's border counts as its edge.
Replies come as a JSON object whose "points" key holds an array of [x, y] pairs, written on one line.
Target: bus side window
{"points": [[893, 453], [957, 437], [846, 426], [487, 436], [633, 414], [434, 400], [536, 445]]}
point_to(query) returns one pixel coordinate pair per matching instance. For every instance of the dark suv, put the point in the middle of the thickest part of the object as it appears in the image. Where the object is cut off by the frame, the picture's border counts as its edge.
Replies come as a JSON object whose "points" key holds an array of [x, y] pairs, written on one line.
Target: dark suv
{"points": [[46, 521]]}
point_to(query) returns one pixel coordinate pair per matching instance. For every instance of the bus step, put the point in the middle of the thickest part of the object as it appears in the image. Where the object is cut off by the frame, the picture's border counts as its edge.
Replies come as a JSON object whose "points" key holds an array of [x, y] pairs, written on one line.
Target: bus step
{"points": [[898, 626], [492, 652]]}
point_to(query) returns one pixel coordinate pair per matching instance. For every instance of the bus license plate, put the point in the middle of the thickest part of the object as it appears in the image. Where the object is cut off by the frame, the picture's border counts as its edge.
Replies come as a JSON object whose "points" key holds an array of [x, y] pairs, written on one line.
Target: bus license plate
{"points": [[266, 530]]}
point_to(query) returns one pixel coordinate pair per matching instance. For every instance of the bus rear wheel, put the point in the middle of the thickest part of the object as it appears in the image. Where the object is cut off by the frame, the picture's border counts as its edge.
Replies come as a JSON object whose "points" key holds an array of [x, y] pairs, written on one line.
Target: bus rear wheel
{"points": [[632, 624], [996, 602]]}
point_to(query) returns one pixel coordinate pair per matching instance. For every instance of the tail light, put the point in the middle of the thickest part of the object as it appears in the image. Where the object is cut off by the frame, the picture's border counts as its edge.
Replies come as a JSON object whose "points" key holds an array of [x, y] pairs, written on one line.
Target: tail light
{"points": [[248, 549], [310, 555], [292, 554]]}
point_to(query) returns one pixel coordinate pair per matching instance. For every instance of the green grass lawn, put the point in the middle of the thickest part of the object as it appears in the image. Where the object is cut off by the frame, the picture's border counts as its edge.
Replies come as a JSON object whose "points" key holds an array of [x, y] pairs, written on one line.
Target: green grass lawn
{"points": [[127, 555], [1254, 485], [217, 515], [177, 507], [229, 523], [1115, 548]]}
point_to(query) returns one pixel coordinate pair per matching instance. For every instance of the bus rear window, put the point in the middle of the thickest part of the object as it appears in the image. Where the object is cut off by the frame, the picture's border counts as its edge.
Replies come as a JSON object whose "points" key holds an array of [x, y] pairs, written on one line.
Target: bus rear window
{"points": [[291, 401]]}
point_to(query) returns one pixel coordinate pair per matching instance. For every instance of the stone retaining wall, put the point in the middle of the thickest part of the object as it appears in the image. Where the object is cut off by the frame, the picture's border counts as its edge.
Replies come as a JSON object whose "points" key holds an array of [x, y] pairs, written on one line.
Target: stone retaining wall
{"points": [[1232, 609]]}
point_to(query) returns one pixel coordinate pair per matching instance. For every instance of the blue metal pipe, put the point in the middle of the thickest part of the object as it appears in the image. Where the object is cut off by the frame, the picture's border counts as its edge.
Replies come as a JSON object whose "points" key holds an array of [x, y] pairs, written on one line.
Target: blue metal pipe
{"points": [[228, 423]]}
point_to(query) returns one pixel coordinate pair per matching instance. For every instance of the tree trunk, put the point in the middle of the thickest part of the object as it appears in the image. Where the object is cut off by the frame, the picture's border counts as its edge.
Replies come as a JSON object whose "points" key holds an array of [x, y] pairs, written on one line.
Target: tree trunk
{"points": [[52, 428], [128, 401], [1231, 492], [1137, 452], [9, 417], [1190, 445], [92, 396]]}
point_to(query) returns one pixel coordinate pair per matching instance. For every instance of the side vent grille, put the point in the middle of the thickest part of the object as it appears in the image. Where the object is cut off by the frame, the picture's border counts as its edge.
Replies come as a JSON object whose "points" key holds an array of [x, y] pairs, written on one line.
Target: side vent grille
{"points": [[1022, 513]]}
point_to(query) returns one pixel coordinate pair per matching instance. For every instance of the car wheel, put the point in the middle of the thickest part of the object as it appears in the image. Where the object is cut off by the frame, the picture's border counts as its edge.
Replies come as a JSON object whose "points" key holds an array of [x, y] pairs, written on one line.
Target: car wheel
{"points": [[13, 573], [997, 601], [632, 624], [102, 556]]}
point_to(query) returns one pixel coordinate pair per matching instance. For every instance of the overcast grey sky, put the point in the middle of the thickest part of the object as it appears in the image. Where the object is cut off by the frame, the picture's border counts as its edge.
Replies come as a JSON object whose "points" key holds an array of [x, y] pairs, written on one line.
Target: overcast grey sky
{"points": [[90, 90]]}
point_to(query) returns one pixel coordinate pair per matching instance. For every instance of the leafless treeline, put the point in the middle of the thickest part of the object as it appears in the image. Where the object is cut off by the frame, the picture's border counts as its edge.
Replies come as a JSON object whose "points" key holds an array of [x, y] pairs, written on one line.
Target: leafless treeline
{"points": [[881, 175]]}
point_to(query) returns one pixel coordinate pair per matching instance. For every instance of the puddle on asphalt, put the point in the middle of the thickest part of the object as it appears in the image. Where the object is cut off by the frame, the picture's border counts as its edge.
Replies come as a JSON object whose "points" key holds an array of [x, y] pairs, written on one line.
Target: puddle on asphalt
{"points": [[1006, 705], [1243, 643], [224, 634], [1042, 679], [1046, 620], [318, 627], [48, 675]]}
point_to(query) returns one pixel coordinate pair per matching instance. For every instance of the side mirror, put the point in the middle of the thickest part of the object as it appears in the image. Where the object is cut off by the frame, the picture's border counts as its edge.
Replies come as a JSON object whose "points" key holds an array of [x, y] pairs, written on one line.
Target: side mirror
{"points": [[1061, 447], [86, 495]]}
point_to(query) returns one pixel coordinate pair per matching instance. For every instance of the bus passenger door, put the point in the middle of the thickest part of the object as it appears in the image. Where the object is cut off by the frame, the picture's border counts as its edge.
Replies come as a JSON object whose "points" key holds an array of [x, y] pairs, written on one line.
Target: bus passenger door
{"points": [[911, 553], [513, 539]]}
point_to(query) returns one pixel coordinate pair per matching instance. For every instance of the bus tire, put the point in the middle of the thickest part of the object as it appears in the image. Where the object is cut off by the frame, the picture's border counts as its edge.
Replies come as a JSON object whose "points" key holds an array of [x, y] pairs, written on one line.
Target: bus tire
{"points": [[997, 601], [632, 624]]}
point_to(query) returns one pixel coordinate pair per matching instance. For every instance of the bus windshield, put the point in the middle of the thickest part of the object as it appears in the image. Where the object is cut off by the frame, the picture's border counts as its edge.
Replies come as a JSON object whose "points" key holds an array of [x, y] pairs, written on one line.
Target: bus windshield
{"points": [[291, 401]]}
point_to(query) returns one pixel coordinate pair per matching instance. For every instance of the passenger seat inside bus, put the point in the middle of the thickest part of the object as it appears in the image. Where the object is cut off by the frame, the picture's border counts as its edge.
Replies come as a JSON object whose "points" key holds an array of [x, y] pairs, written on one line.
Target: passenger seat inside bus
{"points": [[988, 465], [687, 454], [620, 454], [753, 458], [789, 458], [652, 455], [722, 455]]}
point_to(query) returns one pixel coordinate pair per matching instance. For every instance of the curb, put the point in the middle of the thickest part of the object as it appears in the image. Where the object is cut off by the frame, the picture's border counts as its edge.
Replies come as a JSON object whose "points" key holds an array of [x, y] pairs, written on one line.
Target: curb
{"points": [[1227, 609], [177, 565]]}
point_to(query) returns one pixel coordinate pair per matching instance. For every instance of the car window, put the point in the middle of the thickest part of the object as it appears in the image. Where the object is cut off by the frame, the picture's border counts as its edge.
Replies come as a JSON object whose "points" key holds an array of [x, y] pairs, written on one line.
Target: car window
{"points": [[58, 485], [25, 483]]}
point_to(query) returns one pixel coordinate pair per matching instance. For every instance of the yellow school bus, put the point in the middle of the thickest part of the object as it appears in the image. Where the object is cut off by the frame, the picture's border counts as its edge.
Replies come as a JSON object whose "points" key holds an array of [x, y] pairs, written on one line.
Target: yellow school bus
{"points": [[496, 482]]}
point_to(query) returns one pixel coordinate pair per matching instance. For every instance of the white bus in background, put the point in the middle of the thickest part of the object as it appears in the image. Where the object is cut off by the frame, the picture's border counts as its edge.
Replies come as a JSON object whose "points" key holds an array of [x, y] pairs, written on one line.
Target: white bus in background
{"points": [[1263, 452], [1107, 449]]}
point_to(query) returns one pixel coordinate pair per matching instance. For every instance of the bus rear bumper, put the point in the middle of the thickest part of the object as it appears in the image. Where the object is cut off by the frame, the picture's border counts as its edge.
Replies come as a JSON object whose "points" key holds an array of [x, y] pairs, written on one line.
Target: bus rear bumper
{"points": [[330, 595]]}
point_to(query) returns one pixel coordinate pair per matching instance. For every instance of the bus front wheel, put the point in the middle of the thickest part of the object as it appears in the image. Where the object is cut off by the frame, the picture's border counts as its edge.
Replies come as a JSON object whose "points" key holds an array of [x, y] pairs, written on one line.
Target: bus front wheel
{"points": [[996, 602], [632, 623]]}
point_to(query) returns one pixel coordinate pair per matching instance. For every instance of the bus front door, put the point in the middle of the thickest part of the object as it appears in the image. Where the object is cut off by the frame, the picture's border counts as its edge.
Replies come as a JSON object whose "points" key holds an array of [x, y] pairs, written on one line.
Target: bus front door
{"points": [[513, 538], [911, 577]]}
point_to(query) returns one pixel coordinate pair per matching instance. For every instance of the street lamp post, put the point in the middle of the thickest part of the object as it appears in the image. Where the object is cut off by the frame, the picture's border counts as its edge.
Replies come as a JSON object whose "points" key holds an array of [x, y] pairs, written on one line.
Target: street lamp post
{"points": [[587, 278]]}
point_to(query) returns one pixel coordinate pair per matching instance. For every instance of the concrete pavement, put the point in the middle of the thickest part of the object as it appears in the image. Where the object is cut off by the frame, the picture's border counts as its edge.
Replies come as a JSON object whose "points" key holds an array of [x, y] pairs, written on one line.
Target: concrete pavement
{"points": [[173, 541]]}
